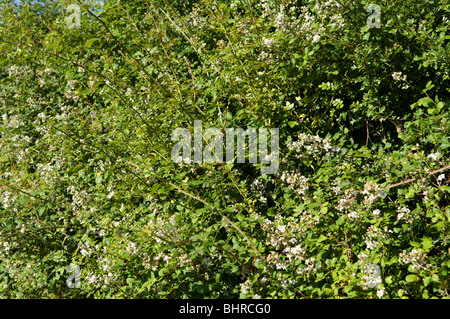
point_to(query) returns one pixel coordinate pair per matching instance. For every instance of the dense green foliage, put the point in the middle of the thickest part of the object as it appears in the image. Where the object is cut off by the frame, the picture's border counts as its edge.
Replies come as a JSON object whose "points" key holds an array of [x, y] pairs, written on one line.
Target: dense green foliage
{"points": [[86, 175]]}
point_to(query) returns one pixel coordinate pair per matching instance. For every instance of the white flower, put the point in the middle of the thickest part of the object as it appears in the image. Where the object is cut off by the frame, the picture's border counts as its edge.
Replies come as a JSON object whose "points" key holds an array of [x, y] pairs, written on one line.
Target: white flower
{"points": [[207, 261], [327, 145], [316, 38], [441, 177], [92, 279], [336, 190], [353, 214], [398, 76], [376, 212], [380, 292], [371, 244], [281, 266], [268, 42], [131, 248], [433, 156]]}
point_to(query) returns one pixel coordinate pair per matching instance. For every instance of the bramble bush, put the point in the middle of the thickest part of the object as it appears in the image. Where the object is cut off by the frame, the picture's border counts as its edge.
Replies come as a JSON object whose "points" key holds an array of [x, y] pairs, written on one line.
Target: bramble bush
{"points": [[359, 206]]}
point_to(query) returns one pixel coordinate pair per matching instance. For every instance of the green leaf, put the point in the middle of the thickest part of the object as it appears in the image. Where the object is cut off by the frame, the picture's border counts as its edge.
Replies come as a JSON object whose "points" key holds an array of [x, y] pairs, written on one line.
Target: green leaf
{"points": [[365, 29], [292, 123], [429, 86], [411, 278], [427, 243], [90, 42], [415, 244], [388, 280]]}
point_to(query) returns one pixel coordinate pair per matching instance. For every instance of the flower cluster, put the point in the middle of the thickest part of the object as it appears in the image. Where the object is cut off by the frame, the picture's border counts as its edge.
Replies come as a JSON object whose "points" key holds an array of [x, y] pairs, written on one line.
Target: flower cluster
{"points": [[353, 214], [279, 235], [109, 278], [258, 187], [372, 276], [415, 257], [266, 57], [371, 192], [287, 18], [268, 42], [374, 234], [330, 10], [7, 199], [5, 247], [286, 234], [246, 287], [13, 121], [344, 205], [433, 156], [336, 190], [197, 20], [398, 76], [18, 72], [296, 182], [86, 249], [310, 146], [295, 252], [310, 266], [80, 199], [161, 229], [131, 248], [91, 278], [404, 213], [71, 93]]}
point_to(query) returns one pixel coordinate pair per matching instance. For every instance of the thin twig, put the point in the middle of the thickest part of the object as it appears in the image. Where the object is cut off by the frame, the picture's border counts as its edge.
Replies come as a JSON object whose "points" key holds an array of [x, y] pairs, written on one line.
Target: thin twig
{"points": [[358, 194]]}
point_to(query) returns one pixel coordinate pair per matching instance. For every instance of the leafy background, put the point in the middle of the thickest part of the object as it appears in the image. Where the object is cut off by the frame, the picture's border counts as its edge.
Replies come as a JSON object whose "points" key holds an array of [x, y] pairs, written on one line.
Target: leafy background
{"points": [[87, 177]]}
